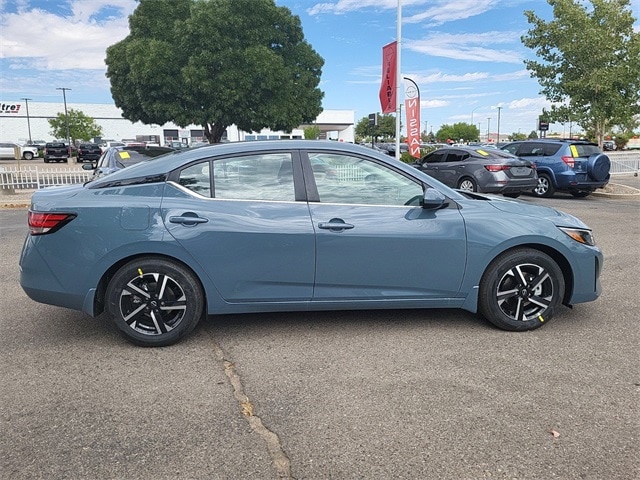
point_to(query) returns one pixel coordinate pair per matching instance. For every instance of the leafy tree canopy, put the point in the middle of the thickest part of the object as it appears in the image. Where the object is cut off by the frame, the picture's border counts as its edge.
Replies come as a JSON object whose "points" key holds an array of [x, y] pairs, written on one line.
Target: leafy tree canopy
{"points": [[458, 132], [81, 126], [386, 128], [588, 63], [216, 63]]}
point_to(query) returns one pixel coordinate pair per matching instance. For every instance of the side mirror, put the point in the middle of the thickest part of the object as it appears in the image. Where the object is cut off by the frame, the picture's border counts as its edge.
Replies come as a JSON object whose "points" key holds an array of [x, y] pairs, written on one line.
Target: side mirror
{"points": [[88, 166], [433, 199]]}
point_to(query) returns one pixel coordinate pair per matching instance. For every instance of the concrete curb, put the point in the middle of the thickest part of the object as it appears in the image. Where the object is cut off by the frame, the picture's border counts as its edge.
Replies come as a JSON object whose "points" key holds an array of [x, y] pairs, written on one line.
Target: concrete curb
{"points": [[623, 192]]}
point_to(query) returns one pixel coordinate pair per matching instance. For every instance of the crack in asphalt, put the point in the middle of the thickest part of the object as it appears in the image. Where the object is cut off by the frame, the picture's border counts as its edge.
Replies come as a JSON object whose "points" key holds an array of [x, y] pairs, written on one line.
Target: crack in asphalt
{"points": [[278, 456]]}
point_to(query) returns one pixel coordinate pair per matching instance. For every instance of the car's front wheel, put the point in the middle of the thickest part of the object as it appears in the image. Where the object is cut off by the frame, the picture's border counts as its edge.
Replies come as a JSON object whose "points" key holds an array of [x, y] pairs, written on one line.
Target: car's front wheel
{"points": [[545, 186], [154, 302], [27, 155], [521, 289]]}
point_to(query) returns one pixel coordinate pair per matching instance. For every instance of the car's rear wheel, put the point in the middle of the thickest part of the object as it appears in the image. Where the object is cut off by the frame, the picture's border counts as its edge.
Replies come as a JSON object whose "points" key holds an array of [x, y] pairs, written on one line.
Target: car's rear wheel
{"points": [[545, 186], [521, 289], [154, 302], [468, 184]]}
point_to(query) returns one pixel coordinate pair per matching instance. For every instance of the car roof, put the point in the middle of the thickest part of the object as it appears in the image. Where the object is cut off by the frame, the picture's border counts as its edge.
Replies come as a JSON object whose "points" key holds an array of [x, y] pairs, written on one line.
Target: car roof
{"points": [[478, 151], [557, 140], [171, 161]]}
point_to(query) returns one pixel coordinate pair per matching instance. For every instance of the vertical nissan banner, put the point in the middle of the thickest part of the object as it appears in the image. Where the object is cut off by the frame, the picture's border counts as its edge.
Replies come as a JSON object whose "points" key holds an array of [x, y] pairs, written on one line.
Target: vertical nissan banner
{"points": [[412, 109]]}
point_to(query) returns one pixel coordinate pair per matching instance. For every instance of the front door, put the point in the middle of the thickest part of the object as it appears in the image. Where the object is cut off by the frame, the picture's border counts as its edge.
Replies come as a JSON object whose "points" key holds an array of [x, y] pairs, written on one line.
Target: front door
{"points": [[374, 242]]}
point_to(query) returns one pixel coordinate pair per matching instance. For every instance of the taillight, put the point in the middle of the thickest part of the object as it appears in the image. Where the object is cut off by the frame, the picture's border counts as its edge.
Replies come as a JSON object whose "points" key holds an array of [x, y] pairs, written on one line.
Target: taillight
{"points": [[41, 223], [569, 160], [496, 168]]}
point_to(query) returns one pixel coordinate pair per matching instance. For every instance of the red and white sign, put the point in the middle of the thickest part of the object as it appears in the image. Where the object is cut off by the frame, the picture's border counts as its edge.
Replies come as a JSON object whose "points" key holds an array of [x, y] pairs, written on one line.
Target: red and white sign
{"points": [[412, 109], [389, 77]]}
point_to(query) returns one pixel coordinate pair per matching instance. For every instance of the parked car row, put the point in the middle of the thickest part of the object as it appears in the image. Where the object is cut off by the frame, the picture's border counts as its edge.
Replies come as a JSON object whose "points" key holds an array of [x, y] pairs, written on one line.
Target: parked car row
{"points": [[541, 167]]}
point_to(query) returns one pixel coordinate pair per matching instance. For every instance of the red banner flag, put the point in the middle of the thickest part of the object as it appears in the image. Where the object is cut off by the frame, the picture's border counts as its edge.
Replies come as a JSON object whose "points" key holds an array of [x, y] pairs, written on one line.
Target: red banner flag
{"points": [[389, 78], [412, 109]]}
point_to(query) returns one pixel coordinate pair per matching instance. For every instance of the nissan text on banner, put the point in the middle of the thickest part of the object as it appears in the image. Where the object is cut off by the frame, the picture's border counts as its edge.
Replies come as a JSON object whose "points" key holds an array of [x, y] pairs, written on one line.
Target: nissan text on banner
{"points": [[389, 78], [412, 109]]}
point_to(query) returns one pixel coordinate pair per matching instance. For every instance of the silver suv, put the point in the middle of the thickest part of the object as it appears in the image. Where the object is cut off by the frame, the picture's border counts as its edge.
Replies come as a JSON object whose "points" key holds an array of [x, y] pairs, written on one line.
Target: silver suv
{"points": [[574, 166]]}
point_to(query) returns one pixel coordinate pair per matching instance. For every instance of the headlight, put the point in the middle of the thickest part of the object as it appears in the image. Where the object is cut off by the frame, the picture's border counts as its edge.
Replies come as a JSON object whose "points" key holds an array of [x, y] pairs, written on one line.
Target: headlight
{"points": [[580, 235]]}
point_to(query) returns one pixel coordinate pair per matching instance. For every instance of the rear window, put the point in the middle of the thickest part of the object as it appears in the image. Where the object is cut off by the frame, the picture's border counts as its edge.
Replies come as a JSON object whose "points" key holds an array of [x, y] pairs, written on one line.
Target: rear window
{"points": [[585, 149], [56, 145]]}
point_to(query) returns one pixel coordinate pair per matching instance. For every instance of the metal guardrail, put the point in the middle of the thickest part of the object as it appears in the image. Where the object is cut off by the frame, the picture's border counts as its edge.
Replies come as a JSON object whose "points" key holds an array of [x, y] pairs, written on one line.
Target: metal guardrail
{"points": [[36, 177], [624, 162]]}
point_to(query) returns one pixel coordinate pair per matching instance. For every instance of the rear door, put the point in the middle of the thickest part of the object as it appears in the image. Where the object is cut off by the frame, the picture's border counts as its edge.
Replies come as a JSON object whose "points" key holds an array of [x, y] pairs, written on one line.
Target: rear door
{"points": [[246, 223]]}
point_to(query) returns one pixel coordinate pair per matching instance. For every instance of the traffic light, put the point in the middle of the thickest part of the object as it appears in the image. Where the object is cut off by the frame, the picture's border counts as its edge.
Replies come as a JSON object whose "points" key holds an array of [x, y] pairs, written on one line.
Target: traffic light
{"points": [[373, 119]]}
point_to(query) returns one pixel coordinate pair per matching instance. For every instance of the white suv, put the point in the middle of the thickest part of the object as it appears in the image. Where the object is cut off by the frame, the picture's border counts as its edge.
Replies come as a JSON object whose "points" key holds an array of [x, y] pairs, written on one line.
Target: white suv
{"points": [[7, 150]]}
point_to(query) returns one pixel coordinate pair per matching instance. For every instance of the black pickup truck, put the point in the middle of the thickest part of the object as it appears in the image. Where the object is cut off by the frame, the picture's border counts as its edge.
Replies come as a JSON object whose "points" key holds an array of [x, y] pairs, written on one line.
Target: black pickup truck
{"points": [[88, 152], [56, 152]]}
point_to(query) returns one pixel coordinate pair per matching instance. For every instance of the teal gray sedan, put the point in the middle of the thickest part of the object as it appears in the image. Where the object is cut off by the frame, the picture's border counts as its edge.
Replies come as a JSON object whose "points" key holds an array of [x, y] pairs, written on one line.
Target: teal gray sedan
{"points": [[296, 226]]}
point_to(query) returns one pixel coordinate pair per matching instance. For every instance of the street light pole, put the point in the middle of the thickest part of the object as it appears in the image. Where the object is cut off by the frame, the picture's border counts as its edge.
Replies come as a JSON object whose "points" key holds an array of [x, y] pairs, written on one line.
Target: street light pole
{"points": [[472, 113], [488, 128], [26, 101], [498, 140], [66, 115]]}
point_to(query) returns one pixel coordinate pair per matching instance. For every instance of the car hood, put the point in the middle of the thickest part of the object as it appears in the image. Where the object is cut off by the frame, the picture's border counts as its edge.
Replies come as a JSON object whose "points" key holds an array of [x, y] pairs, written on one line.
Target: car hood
{"points": [[560, 219]]}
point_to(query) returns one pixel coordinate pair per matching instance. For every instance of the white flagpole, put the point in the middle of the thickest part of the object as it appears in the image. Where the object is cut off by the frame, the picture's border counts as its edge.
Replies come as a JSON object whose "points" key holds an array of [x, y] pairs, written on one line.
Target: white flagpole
{"points": [[398, 77]]}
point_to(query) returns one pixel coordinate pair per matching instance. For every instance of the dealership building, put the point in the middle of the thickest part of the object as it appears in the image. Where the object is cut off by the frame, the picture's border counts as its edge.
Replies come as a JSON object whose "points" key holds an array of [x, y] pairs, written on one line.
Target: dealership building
{"points": [[24, 120]]}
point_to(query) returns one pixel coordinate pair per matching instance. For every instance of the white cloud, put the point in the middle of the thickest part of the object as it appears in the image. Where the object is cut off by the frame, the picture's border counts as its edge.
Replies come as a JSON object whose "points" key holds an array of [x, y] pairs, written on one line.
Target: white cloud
{"points": [[469, 46], [76, 42]]}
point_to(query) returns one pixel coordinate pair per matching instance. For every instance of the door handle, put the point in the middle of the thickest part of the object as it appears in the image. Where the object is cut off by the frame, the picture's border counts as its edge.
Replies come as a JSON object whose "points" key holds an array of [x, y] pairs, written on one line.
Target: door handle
{"points": [[188, 219], [335, 225]]}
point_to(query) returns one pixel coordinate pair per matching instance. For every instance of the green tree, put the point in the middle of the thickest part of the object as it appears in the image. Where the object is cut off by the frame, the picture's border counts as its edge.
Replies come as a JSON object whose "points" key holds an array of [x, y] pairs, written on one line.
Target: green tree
{"points": [[81, 126], [312, 132], [386, 128], [588, 63], [532, 135], [216, 63], [458, 132], [517, 136]]}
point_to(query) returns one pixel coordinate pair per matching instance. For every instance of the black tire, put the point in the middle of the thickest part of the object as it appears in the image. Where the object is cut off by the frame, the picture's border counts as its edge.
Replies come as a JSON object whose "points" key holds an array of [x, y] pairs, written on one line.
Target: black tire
{"points": [[46, 160], [520, 290], [512, 194], [545, 188], [580, 193], [468, 184], [154, 302], [27, 156]]}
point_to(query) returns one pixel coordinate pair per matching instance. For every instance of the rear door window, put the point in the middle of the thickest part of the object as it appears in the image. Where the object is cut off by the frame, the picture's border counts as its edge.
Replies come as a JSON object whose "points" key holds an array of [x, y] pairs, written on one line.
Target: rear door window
{"points": [[259, 177]]}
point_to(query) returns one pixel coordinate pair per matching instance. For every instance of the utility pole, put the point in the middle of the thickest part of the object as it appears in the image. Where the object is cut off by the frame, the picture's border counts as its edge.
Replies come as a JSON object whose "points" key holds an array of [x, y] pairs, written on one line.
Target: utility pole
{"points": [[498, 140], [488, 128], [66, 115], [26, 101]]}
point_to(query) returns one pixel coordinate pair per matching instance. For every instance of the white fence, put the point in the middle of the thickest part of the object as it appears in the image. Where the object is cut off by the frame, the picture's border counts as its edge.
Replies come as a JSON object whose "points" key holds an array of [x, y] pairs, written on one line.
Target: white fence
{"points": [[35, 177]]}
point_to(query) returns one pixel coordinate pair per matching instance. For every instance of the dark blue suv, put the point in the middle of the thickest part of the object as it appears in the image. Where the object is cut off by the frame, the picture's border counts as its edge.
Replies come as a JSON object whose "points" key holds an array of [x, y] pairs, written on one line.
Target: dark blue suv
{"points": [[574, 166]]}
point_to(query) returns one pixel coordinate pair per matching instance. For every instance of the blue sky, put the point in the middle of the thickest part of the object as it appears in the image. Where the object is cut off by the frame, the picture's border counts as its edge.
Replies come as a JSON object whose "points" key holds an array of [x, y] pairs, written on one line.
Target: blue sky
{"points": [[465, 55]]}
